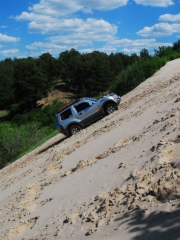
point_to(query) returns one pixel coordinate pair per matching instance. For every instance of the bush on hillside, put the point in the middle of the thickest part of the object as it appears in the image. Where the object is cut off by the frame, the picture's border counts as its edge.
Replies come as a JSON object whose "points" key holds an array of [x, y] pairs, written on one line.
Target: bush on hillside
{"points": [[136, 74], [16, 139], [24, 131]]}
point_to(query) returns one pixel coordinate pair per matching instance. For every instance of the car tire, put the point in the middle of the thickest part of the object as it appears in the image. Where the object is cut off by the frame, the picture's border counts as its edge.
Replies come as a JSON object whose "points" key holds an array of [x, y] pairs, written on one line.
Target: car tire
{"points": [[110, 108], [75, 128]]}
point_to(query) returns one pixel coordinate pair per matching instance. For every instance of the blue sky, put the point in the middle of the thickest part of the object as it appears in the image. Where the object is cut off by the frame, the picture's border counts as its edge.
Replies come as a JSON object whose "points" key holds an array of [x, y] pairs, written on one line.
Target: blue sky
{"points": [[31, 28]]}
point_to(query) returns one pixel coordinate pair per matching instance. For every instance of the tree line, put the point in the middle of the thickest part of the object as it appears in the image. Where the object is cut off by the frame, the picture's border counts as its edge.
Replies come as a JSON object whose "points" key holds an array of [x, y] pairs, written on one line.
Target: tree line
{"points": [[25, 81]]}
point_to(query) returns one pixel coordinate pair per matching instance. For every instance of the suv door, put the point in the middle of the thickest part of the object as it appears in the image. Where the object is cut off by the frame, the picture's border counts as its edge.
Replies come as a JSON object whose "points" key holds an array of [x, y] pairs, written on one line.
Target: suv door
{"points": [[87, 112]]}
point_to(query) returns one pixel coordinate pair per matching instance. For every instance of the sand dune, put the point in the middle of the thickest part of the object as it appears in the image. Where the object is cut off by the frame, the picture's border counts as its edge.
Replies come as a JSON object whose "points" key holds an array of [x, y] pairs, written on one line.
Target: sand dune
{"points": [[117, 179]]}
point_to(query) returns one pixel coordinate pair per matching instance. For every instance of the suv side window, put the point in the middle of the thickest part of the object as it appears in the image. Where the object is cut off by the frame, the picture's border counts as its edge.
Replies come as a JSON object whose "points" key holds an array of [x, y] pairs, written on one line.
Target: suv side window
{"points": [[66, 114], [82, 106]]}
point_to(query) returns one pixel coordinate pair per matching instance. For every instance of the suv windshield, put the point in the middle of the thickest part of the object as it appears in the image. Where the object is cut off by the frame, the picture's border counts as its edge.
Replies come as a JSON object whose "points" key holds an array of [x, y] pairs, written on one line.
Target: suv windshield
{"points": [[91, 99]]}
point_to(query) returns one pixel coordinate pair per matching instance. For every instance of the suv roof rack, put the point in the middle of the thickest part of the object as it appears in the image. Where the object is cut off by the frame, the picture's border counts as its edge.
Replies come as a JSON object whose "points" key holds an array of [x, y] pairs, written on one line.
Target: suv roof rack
{"points": [[69, 104]]}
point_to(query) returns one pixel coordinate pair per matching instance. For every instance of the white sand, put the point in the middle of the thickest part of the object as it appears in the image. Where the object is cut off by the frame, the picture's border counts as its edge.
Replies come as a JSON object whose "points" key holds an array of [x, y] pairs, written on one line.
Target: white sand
{"points": [[117, 179]]}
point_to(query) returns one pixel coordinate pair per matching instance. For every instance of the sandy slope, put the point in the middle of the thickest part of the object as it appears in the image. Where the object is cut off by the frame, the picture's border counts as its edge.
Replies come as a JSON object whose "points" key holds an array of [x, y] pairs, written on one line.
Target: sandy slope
{"points": [[117, 179]]}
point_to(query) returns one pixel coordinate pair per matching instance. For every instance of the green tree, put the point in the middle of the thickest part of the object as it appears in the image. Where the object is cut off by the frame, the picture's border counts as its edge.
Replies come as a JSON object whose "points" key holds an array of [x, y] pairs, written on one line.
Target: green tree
{"points": [[144, 53], [136, 73], [30, 83], [176, 46], [163, 51], [98, 73], [49, 67], [71, 68], [6, 84], [116, 63]]}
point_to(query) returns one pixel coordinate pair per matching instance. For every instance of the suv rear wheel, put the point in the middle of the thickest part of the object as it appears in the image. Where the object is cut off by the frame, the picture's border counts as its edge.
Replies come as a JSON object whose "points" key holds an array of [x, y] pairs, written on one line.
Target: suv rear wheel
{"points": [[75, 128], [110, 108]]}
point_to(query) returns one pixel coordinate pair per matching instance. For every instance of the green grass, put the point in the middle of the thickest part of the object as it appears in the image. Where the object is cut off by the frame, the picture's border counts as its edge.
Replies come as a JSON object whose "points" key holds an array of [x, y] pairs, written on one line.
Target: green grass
{"points": [[39, 143]]}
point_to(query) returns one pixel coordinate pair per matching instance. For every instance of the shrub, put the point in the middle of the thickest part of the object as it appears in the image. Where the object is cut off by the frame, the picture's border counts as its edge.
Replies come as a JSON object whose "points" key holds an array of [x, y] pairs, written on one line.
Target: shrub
{"points": [[16, 139]]}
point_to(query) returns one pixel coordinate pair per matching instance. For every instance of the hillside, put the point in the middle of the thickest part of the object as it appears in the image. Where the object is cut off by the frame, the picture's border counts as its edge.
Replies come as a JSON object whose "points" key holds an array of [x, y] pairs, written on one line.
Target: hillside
{"points": [[117, 179]]}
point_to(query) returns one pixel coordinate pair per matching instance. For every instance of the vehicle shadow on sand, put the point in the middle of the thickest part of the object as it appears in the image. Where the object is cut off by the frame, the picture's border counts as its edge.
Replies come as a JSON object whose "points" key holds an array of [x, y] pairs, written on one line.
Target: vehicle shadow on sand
{"points": [[52, 145]]}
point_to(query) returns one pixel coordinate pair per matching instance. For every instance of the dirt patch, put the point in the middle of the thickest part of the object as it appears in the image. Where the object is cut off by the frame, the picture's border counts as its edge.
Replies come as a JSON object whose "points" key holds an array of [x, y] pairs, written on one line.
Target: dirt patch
{"points": [[60, 93]]}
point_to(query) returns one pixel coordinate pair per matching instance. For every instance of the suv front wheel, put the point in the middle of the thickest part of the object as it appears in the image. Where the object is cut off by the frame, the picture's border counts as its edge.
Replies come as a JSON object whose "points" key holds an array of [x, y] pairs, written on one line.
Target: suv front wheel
{"points": [[75, 128], [110, 108]]}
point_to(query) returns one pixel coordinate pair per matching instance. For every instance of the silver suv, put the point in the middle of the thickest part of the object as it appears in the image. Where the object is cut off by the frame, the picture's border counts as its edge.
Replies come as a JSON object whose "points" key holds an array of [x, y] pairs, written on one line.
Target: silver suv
{"points": [[82, 112]]}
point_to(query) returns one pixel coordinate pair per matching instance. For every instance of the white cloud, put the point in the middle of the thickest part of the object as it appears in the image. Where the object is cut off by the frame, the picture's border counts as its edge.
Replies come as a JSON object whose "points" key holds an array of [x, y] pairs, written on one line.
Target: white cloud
{"points": [[74, 39], [25, 16], [127, 46], [86, 50], [60, 19], [47, 47], [159, 30], [3, 26], [9, 52], [5, 38], [81, 39], [130, 46], [62, 8], [106, 49], [43, 45], [38, 48], [55, 17], [74, 33], [57, 44], [130, 50], [170, 17], [128, 42], [89, 26], [155, 3]]}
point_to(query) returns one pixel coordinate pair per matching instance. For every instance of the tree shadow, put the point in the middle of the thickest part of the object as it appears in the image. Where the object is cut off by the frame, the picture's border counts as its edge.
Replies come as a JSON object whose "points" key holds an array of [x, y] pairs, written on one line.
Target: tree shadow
{"points": [[156, 226], [52, 145]]}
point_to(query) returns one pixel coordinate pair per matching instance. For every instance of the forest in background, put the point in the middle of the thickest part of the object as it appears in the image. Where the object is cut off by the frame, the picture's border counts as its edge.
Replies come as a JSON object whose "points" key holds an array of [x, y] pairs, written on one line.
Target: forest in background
{"points": [[25, 81]]}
